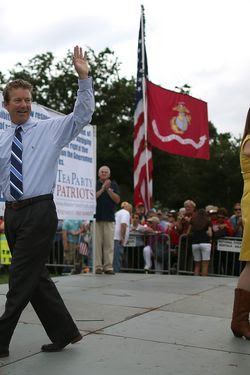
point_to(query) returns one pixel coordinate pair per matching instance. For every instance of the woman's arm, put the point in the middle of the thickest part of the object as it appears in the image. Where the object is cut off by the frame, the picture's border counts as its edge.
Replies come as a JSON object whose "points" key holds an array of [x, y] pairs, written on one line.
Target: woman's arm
{"points": [[246, 148]]}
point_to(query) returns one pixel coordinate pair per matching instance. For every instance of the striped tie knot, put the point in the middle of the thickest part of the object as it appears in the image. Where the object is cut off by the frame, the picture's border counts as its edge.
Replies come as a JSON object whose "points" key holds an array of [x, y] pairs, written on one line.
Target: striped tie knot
{"points": [[18, 132], [16, 176]]}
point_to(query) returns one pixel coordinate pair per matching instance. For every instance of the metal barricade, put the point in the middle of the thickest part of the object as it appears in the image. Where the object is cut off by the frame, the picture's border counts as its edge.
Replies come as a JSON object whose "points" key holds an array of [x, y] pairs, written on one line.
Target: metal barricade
{"points": [[224, 260], [185, 256], [163, 257], [55, 261], [133, 259], [225, 257], [58, 265]]}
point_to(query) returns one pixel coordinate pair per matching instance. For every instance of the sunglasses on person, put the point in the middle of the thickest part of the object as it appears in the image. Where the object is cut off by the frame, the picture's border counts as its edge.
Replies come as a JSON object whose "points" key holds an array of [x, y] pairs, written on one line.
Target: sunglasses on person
{"points": [[237, 209]]}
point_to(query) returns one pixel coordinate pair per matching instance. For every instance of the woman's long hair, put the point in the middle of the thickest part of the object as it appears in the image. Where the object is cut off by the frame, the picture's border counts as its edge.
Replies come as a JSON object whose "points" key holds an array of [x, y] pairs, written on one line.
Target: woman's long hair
{"points": [[200, 220], [247, 126]]}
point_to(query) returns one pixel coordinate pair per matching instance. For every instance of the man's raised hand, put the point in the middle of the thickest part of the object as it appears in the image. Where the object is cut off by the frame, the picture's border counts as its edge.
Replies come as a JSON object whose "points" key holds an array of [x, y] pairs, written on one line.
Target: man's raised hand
{"points": [[80, 62]]}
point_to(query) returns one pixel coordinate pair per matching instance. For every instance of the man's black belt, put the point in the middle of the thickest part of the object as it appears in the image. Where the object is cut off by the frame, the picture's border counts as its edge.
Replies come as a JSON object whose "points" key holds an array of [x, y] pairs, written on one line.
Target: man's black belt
{"points": [[16, 205]]}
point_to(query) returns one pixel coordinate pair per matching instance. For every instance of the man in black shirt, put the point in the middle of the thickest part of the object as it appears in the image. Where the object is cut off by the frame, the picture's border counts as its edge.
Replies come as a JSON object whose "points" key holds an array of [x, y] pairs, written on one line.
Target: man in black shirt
{"points": [[107, 196]]}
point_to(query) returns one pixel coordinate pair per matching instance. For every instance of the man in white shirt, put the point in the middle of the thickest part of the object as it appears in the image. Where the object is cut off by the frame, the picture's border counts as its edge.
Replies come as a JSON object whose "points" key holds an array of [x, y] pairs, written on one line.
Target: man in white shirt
{"points": [[122, 224]]}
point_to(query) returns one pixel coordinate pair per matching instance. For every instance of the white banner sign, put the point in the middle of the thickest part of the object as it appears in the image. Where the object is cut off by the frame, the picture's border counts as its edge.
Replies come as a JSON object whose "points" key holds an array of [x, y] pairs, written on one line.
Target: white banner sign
{"points": [[227, 244], [74, 193]]}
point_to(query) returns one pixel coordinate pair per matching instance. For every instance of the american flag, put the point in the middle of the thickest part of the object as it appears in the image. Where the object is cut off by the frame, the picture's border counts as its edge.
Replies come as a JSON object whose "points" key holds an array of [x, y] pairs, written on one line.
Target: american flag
{"points": [[83, 248], [143, 164]]}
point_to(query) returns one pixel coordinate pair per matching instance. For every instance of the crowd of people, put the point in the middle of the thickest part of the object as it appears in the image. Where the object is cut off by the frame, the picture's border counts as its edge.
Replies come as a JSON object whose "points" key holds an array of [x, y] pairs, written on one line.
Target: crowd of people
{"points": [[72, 250], [203, 226]]}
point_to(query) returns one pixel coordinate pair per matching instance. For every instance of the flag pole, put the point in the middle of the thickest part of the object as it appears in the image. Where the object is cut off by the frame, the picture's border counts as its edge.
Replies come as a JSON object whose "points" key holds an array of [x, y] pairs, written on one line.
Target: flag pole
{"points": [[145, 103]]}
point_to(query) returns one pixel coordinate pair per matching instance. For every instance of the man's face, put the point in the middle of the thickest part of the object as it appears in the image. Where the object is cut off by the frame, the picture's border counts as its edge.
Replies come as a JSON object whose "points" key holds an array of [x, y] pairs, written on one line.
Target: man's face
{"points": [[136, 219], [103, 174], [152, 224], [189, 208], [19, 105], [221, 219], [140, 210], [171, 218], [237, 210]]}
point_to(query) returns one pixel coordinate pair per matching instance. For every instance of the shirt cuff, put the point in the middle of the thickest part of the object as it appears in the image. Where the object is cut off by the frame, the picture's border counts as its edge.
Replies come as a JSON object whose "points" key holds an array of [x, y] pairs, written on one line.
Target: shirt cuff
{"points": [[85, 83]]}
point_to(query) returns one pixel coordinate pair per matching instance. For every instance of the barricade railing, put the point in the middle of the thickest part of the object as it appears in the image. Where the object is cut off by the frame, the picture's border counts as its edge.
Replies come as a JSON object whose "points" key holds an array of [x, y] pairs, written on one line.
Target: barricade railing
{"points": [[185, 256], [224, 260], [225, 257], [134, 253], [133, 259], [81, 257]]}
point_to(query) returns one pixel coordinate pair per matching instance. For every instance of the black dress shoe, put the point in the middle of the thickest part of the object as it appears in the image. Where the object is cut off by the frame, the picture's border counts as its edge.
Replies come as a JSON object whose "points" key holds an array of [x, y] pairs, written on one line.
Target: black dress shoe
{"points": [[58, 346], [4, 353]]}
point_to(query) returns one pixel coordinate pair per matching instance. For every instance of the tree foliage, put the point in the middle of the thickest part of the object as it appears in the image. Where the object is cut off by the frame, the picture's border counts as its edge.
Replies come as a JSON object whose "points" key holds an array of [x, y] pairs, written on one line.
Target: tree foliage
{"points": [[175, 178], [216, 181]]}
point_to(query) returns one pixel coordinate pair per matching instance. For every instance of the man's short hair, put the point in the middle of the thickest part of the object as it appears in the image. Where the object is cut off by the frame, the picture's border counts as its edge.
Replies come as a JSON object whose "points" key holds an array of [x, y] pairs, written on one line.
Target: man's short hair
{"points": [[104, 167], [16, 84]]}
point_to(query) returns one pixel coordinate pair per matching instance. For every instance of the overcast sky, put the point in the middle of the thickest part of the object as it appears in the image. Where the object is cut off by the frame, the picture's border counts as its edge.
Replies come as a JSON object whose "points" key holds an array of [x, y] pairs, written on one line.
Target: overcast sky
{"points": [[204, 43]]}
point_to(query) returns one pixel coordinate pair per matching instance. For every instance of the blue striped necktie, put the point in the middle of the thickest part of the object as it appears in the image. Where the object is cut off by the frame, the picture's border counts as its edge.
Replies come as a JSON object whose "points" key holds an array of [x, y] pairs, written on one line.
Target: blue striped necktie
{"points": [[16, 174]]}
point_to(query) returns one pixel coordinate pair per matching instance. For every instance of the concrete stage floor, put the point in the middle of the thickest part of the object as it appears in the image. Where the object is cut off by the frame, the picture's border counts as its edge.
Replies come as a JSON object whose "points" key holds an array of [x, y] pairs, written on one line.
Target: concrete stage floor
{"points": [[136, 324]]}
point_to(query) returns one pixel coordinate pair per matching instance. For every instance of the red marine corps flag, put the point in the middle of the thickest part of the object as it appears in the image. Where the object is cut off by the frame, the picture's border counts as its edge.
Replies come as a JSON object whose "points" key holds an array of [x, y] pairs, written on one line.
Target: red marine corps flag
{"points": [[177, 123]]}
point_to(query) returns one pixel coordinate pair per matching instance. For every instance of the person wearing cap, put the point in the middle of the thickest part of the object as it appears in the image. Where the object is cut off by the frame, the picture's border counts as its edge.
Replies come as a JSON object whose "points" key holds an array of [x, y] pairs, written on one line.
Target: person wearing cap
{"points": [[107, 197], [154, 242], [210, 207]]}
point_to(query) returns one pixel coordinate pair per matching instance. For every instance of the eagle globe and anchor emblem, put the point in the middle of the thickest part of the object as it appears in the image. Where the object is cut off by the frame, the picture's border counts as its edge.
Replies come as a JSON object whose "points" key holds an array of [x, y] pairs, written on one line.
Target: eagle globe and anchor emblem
{"points": [[179, 124]]}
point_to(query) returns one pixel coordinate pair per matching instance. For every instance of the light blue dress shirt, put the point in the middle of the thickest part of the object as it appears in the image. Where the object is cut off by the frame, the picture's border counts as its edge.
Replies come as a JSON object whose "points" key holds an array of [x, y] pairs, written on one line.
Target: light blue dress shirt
{"points": [[43, 141]]}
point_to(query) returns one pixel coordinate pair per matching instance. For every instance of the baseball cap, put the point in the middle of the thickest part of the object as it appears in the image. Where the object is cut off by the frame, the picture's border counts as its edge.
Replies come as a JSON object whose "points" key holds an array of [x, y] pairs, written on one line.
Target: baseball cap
{"points": [[154, 219]]}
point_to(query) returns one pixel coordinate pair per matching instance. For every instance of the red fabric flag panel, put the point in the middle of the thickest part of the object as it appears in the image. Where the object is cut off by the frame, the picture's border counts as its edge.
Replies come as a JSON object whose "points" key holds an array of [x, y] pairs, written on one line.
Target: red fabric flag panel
{"points": [[143, 164], [177, 123]]}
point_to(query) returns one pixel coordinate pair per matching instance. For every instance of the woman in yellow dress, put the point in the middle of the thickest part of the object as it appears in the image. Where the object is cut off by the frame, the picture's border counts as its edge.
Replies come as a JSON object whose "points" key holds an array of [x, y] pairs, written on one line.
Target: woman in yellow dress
{"points": [[240, 321]]}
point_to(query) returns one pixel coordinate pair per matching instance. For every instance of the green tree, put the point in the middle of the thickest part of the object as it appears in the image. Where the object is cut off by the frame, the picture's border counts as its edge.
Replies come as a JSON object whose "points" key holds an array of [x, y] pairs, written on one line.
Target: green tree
{"points": [[185, 89], [216, 181]]}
